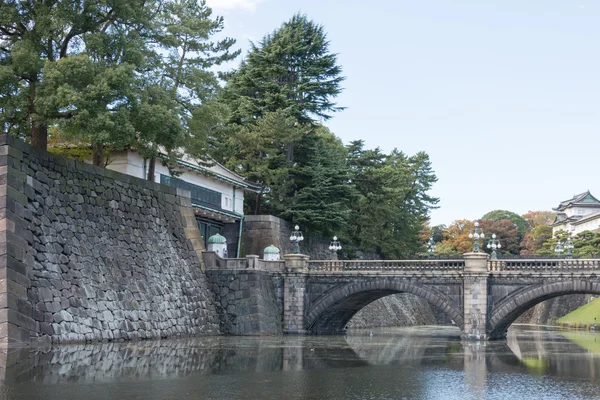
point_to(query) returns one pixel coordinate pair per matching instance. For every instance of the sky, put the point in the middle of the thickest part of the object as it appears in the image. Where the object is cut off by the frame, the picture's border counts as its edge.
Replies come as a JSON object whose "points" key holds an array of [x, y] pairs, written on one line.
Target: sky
{"points": [[504, 96]]}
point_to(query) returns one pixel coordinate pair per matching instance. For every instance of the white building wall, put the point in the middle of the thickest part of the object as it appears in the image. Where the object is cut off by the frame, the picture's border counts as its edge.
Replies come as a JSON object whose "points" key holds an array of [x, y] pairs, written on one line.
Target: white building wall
{"points": [[132, 163], [588, 226], [577, 229], [580, 211]]}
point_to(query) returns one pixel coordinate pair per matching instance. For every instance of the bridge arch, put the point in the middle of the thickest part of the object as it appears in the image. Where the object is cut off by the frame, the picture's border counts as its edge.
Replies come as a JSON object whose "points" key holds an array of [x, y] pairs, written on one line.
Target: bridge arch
{"points": [[333, 310], [509, 308]]}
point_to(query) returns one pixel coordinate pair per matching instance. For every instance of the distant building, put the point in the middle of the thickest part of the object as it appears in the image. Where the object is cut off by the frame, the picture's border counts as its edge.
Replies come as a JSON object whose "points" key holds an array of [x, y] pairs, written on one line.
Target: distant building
{"points": [[578, 214], [217, 193]]}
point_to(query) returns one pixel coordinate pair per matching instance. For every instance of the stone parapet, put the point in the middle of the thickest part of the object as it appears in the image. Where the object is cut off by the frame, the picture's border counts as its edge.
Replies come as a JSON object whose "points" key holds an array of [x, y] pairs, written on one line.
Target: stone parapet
{"points": [[296, 263], [475, 263]]}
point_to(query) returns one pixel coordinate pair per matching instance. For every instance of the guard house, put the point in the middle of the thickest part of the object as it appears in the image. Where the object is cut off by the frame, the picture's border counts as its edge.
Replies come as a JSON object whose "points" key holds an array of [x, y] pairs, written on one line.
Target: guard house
{"points": [[578, 214], [217, 193]]}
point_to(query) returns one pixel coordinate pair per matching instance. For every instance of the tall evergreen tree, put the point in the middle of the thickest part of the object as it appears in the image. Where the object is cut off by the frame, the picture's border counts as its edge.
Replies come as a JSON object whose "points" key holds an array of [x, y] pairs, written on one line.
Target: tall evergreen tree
{"points": [[394, 203], [257, 152], [292, 70], [323, 193]]}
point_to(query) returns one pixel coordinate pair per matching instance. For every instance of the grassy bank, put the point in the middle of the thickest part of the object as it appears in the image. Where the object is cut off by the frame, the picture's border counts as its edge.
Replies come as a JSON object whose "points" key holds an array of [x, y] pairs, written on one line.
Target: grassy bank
{"points": [[584, 317]]}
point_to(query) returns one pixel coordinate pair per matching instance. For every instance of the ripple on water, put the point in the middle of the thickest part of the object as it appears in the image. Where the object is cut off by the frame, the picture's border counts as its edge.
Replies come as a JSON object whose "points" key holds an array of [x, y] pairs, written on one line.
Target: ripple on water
{"points": [[415, 363]]}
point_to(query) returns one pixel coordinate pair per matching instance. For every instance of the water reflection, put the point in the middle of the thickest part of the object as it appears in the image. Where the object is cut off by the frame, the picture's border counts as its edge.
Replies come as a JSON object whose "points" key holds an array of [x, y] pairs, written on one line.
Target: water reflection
{"points": [[404, 362]]}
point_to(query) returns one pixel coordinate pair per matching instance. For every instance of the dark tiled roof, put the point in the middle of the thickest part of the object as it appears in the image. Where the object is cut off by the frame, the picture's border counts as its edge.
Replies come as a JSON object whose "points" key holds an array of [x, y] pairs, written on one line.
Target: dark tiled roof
{"points": [[585, 198]]}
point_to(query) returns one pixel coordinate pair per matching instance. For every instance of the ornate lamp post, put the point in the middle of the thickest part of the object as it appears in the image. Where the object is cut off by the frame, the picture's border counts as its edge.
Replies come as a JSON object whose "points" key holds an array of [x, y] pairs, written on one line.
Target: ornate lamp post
{"points": [[431, 247], [296, 238], [569, 246], [476, 234], [559, 248], [335, 246], [494, 244]]}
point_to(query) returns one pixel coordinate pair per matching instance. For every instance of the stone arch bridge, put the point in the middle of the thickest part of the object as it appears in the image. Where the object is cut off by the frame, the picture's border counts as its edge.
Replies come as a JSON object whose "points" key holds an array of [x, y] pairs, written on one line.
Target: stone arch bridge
{"points": [[298, 295]]}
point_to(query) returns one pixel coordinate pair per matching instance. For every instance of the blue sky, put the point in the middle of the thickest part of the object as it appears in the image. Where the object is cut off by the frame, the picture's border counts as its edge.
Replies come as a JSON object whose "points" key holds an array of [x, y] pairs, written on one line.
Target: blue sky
{"points": [[503, 95]]}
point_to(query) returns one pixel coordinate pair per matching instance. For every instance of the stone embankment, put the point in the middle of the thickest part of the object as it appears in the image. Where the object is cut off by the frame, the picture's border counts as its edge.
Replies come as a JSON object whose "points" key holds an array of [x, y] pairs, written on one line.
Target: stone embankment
{"points": [[547, 312], [90, 254], [246, 302], [395, 310], [407, 309]]}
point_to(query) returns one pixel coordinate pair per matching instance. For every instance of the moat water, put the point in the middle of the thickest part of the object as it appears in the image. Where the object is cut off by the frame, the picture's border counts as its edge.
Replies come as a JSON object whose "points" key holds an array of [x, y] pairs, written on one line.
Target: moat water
{"points": [[411, 363]]}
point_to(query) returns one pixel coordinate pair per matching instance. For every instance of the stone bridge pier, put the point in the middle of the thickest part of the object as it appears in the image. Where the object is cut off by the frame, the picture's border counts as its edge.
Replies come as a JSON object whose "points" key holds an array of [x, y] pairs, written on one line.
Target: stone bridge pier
{"points": [[301, 296]]}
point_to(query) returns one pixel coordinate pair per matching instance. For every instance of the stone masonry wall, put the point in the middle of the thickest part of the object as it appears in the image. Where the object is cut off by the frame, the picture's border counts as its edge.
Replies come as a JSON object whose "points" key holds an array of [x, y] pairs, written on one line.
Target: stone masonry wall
{"points": [[260, 231], [91, 254], [247, 301], [547, 312]]}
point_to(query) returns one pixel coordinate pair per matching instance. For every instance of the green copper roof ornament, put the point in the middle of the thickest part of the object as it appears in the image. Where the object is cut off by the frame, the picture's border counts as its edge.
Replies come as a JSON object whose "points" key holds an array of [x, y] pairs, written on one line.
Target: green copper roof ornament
{"points": [[271, 250], [216, 239]]}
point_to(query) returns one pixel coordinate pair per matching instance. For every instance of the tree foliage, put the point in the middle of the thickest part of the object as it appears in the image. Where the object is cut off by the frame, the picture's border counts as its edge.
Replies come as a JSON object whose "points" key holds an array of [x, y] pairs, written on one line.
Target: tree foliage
{"points": [[587, 244], [323, 194], [394, 203], [457, 237], [538, 218], [506, 233], [535, 239], [118, 72], [506, 226], [520, 223], [290, 70]]}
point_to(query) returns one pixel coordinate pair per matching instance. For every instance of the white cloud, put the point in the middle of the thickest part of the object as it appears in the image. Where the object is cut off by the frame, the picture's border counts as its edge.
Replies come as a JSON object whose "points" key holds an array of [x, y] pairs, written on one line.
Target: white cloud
{"points": [[233, 4]]}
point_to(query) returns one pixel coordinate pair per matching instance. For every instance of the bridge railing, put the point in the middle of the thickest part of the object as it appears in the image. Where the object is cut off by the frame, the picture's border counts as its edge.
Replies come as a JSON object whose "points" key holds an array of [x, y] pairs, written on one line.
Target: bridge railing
{"points": [[544, 265], [392, 265]]}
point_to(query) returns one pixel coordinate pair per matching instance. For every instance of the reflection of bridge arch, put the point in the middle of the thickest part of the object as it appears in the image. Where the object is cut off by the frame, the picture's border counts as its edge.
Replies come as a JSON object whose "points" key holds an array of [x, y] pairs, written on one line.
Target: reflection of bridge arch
{"points": [[332, 311], [509, 308]]}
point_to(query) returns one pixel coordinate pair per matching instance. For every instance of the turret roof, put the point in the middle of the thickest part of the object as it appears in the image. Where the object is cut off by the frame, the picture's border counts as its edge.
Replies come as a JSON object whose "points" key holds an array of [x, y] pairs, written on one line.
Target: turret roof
{"points": [[583, 199]]}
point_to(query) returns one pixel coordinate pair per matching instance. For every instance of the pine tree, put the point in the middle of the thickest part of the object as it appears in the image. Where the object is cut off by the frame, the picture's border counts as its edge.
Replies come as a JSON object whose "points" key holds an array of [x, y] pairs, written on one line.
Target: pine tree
{"points": [[290, 70], [119, 72], [394, 204], [323, 195]]}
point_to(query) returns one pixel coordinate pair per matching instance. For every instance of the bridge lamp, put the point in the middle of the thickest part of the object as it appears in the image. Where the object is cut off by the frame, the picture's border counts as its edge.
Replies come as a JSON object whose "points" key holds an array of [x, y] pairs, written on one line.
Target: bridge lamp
{"points": [[494, 244], [431, 247], [476, 234], [569, 246], [559, 248], [296, 238], [335, 246]]}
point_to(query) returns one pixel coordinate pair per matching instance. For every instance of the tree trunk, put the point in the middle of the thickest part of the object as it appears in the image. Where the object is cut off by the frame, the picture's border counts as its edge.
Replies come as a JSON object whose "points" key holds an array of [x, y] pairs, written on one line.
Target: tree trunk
{"points": [[151, 168], [257, 204], [289, 158], [98, 154], [39, 135], [39, 130]]}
